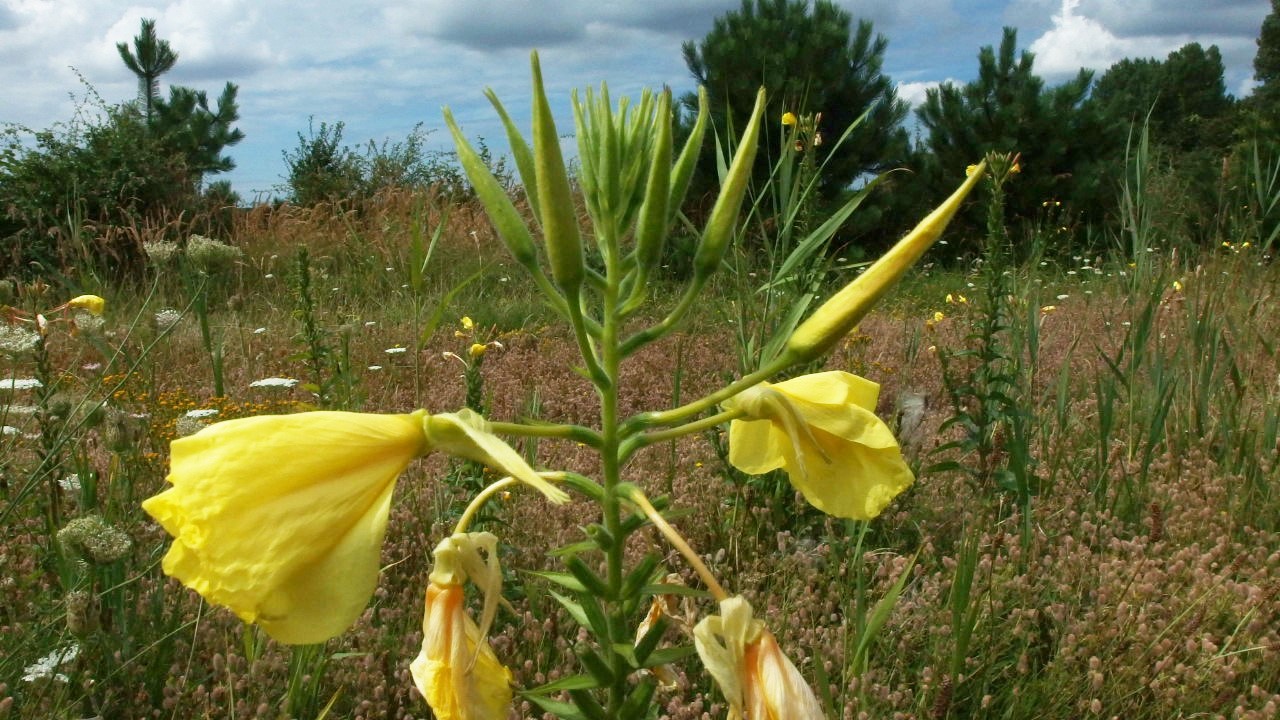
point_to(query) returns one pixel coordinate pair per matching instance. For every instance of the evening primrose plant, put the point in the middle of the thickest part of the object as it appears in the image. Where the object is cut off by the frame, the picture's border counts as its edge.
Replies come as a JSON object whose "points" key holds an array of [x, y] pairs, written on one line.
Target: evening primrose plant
{"points": [[281, 518]]}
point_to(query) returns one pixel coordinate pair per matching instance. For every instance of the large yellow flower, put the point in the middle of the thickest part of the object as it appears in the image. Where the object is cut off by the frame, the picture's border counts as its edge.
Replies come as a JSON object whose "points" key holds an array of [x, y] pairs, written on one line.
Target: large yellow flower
{"points": [[281, 518], [456, 670], [822, 429], [757, 679]]}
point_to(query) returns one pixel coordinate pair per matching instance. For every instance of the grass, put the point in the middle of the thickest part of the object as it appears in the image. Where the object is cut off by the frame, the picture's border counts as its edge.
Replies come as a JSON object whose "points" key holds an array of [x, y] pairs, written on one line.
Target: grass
{"points": [[1138, 580]]}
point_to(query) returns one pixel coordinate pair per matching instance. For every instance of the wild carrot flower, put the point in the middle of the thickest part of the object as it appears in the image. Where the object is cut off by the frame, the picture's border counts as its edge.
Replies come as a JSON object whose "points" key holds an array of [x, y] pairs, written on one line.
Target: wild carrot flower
{"points": [[757, 679], [822, 429], [456, 670]]}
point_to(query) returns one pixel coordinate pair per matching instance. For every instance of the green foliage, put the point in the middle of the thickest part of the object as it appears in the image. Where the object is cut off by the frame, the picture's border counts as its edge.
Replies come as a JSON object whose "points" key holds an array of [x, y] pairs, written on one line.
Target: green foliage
{"points": [[150, 58], [1266, 64], [104, 168], [1008, 109], [812, 60], [322, 169], [1183, 99], [63, 190]]}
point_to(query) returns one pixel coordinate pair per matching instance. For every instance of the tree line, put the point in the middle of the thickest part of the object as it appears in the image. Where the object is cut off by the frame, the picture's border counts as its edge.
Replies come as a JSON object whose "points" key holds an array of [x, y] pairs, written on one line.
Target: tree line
{"points": [[156, 157]]}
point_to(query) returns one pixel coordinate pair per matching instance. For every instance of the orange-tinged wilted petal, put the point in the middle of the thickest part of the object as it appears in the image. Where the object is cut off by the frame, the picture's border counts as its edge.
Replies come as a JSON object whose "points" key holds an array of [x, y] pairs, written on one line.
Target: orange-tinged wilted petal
{"points": [[822, 429], [757, 679], [456, 670], [281, 518]]}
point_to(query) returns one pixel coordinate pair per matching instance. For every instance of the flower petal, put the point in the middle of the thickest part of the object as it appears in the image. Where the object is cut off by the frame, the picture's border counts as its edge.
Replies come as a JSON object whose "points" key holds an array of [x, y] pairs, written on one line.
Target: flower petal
{"points": [[456, 671], [466, 434], [281, 518]]}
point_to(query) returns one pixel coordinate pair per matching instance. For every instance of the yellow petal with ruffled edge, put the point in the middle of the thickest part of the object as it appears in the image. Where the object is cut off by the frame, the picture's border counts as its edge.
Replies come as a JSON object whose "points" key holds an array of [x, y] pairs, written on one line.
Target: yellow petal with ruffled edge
{"points": [[281, 518], [822, 429]]}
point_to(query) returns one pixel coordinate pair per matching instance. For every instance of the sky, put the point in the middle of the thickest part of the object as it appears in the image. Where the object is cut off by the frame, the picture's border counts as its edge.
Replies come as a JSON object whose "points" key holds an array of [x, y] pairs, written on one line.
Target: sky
{"points": [[383, 68]]}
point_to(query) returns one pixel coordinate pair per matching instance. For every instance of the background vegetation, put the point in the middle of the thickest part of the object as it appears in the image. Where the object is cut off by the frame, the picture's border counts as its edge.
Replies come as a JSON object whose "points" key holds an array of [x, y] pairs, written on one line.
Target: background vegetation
{"points": [[1084, 376]]}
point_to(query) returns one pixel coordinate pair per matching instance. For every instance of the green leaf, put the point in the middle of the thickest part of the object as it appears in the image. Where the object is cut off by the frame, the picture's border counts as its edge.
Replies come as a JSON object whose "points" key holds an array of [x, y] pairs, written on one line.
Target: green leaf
{"points": [[562, 579], [575, 609], [573, 682]]}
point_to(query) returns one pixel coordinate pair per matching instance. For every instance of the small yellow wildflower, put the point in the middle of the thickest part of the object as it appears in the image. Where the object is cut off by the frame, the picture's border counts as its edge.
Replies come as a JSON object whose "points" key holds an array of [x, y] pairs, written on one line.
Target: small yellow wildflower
{"points": [[938, 317], [1048, 309], [477, 350], [92, 304], [789, 119], [1177, 286], [467, 323]]}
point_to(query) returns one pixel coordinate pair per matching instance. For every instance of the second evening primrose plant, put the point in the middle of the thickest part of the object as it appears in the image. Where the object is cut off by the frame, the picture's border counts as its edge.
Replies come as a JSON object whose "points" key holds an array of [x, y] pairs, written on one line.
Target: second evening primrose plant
{"points": [[281, 518]]}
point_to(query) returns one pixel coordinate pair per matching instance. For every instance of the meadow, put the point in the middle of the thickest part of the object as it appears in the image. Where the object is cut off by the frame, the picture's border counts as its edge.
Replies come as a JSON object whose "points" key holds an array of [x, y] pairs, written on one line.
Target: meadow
{"points": [[1092, 530]]}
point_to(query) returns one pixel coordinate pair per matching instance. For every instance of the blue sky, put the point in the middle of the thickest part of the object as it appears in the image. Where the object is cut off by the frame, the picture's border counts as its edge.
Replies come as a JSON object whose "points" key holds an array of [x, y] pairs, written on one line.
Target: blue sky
{"points": [[381, 68]]}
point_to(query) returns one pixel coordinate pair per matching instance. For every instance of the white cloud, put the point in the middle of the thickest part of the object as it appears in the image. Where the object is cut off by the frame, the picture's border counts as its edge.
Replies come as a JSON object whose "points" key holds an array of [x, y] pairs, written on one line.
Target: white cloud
{"points": [[1077, 41], [914, 93]]}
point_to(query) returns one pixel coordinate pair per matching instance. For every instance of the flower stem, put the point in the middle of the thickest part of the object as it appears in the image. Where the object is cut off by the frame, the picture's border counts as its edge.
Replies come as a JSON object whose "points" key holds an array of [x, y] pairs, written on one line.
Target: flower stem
{"points": [[678, 542]]}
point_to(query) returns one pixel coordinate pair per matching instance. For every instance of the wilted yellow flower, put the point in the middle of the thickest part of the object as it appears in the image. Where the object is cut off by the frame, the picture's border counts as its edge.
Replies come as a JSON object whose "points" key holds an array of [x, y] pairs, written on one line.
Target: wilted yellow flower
{"points": [[757, 679], [281, 518], [970, 170], [822, 429], [789, 119], [1048, 309], [456, 670]]}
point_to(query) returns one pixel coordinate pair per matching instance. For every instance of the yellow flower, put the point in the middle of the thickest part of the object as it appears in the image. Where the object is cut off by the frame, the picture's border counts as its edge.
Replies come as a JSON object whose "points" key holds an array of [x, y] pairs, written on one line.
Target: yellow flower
{"points": [[477, 350], [1177, 286], [456, 670], [938, 317], [281, 518], [970, 170], [467, 323], [950, 299], [92, 304], [789, 119], [757, 679], [1048, 309], [822, 429], [1015, 168]]}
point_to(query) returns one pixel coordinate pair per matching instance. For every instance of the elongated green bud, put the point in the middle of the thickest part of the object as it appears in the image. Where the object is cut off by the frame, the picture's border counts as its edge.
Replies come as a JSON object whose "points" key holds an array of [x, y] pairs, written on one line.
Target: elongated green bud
{"points": [[651, 229], [682, 173], [502, 212], [520, 151], [724, 215], [559, 216], [839, 315]]}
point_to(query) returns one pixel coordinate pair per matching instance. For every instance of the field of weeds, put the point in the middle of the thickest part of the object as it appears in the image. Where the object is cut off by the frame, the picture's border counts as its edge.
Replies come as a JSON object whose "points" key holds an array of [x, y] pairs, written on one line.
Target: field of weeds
{"points": [[1092, 530]]}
